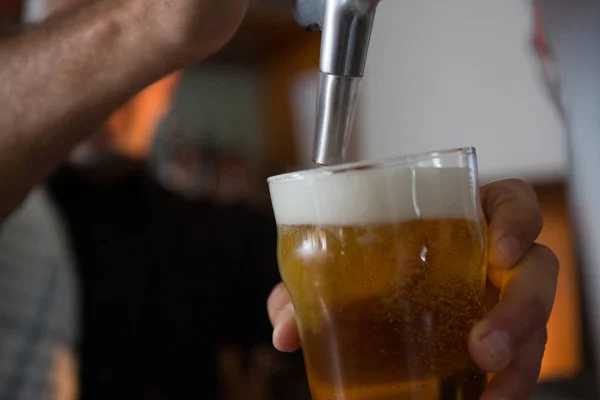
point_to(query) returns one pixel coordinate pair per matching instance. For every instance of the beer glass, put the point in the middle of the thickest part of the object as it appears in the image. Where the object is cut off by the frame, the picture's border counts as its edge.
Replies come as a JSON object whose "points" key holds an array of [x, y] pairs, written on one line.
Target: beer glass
{"points": [[385, 263]]}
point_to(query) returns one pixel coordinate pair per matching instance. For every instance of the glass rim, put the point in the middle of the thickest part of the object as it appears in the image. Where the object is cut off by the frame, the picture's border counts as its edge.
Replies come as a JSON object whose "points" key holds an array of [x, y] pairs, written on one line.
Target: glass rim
{"points": [[368, 165]]}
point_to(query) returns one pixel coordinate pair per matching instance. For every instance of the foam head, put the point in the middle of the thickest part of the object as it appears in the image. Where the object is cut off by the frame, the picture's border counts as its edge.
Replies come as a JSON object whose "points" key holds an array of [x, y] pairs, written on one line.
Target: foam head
{"points": [[375, 195]]}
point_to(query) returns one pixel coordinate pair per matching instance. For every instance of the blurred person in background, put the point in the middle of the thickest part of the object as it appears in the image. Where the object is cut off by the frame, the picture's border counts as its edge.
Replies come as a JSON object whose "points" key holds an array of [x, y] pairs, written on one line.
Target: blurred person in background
{"points": [[167, 282], [39, 305], [65, 77]]}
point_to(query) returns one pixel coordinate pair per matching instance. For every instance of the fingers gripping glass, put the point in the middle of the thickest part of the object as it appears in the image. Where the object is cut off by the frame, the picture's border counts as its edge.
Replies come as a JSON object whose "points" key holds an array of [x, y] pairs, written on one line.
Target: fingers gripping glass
{"points": [[386, 266]]}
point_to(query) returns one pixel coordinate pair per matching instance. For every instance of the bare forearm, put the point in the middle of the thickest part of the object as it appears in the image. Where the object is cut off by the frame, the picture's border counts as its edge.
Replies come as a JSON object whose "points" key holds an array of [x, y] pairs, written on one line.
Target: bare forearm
{"points": [[60, 81]]}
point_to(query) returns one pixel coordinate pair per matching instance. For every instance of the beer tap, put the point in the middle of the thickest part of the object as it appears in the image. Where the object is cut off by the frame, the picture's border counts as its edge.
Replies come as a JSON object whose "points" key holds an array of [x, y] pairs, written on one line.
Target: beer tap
{"points": [[346, 27]]}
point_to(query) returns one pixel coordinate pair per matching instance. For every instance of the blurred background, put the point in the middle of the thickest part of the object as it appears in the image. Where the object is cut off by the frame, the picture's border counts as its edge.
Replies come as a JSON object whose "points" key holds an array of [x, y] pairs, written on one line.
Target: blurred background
{"points": [[171, 229]]}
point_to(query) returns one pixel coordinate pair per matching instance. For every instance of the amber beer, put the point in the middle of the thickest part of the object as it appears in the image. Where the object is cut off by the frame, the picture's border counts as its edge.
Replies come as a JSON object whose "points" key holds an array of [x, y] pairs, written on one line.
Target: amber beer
{"points": [[386, 266]]}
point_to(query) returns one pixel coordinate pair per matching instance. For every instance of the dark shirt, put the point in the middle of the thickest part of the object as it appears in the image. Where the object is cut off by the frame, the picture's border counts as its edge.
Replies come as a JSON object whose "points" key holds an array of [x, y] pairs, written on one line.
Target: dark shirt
{"points": [[167, 282], [38, 299]]}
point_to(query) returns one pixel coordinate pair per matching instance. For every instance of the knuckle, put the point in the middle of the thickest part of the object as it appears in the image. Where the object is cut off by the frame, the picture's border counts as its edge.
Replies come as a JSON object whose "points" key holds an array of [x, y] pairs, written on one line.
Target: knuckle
{"points": [[517, 192], [521, 185], [533, 220], [521, 189], [546, 257], [537, 312], [540, 287], [525, 329]]}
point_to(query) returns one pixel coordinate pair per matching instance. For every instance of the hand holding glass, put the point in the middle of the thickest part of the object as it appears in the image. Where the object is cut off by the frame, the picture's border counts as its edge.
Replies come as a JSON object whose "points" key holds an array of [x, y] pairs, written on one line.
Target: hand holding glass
{"points": [[385, 263]]}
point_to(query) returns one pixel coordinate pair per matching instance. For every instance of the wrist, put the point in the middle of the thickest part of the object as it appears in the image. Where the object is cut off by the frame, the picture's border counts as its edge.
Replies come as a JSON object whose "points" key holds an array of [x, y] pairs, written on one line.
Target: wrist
{"points": [[155, 24], [159, 51]]}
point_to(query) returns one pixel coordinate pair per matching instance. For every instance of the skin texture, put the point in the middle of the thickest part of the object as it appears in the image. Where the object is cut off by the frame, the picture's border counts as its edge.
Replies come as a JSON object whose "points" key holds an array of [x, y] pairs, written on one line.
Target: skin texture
{"points": [[523, 275], [64, 78], [128, 131]]}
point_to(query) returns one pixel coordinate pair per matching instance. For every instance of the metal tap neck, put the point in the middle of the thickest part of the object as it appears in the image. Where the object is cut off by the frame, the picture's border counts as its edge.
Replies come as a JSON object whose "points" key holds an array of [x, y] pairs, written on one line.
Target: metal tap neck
{"points": [[346, 27]]}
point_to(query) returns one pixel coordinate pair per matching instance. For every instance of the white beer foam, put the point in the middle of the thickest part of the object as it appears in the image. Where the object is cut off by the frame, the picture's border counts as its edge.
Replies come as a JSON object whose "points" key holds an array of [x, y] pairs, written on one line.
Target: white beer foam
{"points": [[374, 196]]}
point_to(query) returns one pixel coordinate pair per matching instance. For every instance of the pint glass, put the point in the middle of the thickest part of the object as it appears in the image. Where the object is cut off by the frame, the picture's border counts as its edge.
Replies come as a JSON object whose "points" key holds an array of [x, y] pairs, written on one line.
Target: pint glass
{"points": [[385, 263]]}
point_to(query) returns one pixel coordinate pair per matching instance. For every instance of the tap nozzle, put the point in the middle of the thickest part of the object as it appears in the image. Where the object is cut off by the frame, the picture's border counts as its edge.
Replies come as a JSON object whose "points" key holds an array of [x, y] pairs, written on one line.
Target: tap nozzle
{"points": [[336, 108], [346, 27]]}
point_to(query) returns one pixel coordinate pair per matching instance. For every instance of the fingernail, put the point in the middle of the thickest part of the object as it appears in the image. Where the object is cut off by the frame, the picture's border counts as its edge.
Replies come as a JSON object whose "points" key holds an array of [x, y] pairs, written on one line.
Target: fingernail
{"points": [[498, 347], [283, 316], [276, 331], [509, 247]]}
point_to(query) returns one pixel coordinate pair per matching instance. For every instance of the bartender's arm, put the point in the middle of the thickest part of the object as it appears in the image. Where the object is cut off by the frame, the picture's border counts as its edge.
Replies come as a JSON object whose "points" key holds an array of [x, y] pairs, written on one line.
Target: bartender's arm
{"points": [[62, 79]]}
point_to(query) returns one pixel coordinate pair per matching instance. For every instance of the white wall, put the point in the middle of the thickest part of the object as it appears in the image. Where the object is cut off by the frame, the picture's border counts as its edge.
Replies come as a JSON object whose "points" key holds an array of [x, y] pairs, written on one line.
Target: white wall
{"points": [[443, 74]]}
